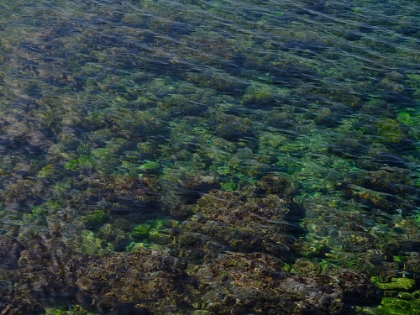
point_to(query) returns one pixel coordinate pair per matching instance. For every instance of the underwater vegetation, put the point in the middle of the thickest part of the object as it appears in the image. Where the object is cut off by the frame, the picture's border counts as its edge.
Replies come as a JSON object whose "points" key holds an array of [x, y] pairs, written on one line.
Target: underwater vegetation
{"points": [[209, 157]]}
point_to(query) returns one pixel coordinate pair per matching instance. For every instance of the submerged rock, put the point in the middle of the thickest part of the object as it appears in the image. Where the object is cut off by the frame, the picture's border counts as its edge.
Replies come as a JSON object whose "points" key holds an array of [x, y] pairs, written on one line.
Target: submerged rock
{"points": [[151, 282], [231, 256]]}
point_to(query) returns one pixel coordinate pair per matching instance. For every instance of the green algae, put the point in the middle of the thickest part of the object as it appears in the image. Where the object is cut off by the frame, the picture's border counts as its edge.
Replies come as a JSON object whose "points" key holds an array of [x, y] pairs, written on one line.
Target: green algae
{"points": [[48, 208], [405, 118], [396, 283], [263, 93], [72, 310], [90, 244], [141, 231], [147, 229], [94, 219], [389, 130], [396, 306], [149, 165], [223, 170], [228, 186], [79, 163], [414, 82], [47, 171]]}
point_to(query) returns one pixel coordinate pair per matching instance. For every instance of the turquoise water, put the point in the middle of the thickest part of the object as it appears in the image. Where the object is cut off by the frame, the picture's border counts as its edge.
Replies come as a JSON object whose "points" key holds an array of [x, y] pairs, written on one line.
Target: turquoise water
{"points": [[209, 157]]}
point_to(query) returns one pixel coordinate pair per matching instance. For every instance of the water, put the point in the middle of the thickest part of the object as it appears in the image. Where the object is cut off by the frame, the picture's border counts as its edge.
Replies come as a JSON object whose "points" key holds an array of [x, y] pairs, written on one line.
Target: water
{"points": [[210, 157]]}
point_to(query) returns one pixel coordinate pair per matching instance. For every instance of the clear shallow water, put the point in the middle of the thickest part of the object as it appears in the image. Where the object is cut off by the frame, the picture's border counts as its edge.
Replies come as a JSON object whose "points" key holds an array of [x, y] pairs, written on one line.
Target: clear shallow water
{"points": [[210, 157]]}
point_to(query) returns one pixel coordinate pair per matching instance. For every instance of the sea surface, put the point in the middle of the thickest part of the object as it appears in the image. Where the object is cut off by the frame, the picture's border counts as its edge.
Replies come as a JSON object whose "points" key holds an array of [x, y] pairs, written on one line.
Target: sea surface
{"points": [[209, 157]]}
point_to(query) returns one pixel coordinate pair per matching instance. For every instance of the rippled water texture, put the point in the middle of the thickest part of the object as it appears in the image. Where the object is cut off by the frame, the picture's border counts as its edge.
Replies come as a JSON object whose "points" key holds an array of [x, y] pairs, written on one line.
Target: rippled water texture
{"points": [[209, 157]]}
